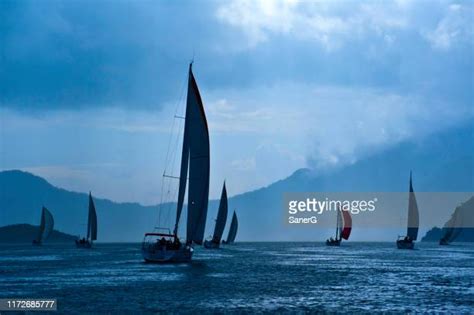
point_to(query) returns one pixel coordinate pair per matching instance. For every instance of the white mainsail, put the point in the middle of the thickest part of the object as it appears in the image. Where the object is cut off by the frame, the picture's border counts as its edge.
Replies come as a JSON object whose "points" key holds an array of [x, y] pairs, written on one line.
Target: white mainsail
{"points": [[413, 216], [92, 220], [339, 225], [195, 162]]}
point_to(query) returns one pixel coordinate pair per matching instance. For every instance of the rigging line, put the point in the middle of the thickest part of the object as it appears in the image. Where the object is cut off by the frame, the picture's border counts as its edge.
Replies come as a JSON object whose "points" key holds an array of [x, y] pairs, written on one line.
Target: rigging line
{"points": [[175, 150], [183, 83], [178, 177], [170, 176], [168, 206], [174, 156], [175, 196], [174, 123], [160, 207], [171, 158], [172, 161], [175, 146], [171, 191], [163, 183], [169, 143]]}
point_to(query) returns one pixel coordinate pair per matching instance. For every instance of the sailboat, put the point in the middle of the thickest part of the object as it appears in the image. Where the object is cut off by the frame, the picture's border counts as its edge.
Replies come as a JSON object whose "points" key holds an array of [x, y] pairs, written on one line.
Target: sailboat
{"points": [[407, 242], [195, 162], [220, 222], [451, 230], [343, 228], [45, 228], [86, 242], [234, 225]]}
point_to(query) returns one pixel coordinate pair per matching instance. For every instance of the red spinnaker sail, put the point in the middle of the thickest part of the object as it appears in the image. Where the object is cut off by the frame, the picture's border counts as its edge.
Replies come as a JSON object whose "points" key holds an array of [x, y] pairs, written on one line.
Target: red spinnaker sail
{"points": [[346, 231]]}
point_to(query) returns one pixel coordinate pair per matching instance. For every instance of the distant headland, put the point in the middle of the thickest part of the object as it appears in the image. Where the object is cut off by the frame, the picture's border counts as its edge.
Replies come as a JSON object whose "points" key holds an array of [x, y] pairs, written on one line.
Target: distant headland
{"points": [[25, 233], [436, 233], [464, 214]]}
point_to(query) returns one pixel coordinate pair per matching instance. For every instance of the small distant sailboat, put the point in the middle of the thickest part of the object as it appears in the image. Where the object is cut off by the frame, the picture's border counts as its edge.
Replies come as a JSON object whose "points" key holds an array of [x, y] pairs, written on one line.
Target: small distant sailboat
{"points": [[343, 228], [195, 158], [220, 222], [234, 225], [45, 228], [86, 242], [407, 242], [451, 230]]}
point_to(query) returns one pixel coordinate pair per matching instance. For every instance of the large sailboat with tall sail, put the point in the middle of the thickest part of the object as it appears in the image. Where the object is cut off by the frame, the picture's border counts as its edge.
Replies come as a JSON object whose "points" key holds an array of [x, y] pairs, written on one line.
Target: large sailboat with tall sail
{"points": [[408, 241], [215, 241], [161, 247], [343, 228], [86, 242], [45, 228], [234, 225]]}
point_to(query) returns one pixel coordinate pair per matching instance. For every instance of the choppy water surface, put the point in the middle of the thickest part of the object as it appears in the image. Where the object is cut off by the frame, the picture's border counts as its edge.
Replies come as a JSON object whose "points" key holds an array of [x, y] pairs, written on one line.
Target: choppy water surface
{"points": [[253, 277]]}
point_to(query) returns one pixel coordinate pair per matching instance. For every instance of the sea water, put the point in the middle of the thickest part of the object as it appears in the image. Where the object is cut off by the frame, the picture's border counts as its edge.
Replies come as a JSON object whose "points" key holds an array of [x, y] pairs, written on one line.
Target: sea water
{"points": [[245, 277]]}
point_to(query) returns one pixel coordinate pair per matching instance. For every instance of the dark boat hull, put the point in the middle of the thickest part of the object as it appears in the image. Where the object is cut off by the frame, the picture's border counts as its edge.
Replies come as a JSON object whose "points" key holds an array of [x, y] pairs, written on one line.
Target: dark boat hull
{"points": [[85, 244], [403, 244], [333, 242], [443, 242], [211, 245], [162, 255]]}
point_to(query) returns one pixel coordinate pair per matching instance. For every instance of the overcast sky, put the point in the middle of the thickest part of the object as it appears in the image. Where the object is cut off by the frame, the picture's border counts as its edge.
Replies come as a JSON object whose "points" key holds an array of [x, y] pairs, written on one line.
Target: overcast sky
{"points": [[89, 89]]}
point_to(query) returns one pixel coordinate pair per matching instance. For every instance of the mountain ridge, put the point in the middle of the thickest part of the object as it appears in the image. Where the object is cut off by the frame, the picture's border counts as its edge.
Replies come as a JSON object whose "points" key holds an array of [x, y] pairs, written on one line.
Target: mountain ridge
{"points": [[260, 211]]}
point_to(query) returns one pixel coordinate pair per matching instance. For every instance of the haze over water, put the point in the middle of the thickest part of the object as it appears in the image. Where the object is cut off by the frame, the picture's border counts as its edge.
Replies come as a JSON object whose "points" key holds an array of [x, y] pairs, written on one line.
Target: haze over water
{"points": [[251, 277]]}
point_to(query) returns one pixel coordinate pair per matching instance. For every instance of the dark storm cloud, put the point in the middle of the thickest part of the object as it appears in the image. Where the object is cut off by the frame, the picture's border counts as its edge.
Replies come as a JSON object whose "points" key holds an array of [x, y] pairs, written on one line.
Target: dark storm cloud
{"points": [[134, 54], [86, 53]]}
